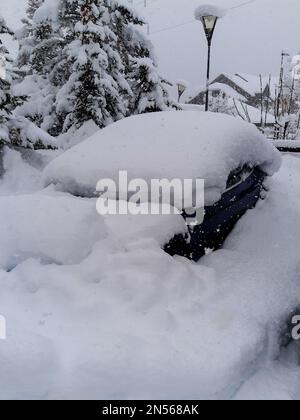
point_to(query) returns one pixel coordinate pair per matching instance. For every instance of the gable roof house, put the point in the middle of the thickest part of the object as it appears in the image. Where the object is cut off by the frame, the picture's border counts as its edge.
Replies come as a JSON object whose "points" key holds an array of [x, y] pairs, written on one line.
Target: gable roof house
{"points": [[242, 87]]}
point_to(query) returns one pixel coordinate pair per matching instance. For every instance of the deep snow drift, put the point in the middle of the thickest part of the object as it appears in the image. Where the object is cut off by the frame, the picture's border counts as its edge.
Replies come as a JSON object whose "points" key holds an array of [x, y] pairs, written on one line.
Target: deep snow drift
{"points": [[103, 312], [172, 145]]}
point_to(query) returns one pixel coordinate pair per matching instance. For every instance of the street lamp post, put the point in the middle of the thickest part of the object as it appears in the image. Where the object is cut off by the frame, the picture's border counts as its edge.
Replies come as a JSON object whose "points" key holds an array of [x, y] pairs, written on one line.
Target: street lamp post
{"points": [[209, 24], [209, 16]]}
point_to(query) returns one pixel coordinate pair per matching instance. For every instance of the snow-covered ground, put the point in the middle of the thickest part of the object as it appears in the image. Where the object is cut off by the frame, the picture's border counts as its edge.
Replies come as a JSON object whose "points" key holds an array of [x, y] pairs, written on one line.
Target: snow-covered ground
{"points": [[94, 311], [94, 307]]}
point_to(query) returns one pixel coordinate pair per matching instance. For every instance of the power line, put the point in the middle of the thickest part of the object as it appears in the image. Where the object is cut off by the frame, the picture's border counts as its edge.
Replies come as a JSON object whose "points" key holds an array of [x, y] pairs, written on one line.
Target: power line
{"points": [[168, 28], [173, 27], [148, 3], [242, 4]]}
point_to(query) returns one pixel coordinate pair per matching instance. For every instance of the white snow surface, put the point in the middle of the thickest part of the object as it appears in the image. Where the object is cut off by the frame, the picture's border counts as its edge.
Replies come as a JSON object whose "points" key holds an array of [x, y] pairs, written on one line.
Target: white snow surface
{"points": [[183, 145], [96, 309], [209, 10]]}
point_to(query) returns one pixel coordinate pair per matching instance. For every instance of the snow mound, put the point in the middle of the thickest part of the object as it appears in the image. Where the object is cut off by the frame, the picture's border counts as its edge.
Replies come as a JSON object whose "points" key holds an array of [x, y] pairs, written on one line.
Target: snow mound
{"points": [[20, 172], [131, 322], [172, 145], [56, 229], [209, 10], [18, 176]]}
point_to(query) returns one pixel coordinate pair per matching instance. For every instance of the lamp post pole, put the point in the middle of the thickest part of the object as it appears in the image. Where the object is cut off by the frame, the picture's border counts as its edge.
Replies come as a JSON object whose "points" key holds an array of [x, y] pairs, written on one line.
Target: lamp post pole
{"points": [[208, 76], [208, 15], [209, 24]]}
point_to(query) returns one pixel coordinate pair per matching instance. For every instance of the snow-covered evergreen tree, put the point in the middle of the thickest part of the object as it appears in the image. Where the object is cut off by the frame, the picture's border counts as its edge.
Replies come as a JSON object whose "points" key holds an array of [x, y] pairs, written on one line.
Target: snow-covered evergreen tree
{"points": [[128, 80], [4, 53], [94, 89], [89, 60], [67, 18], [25, 36], [14, 130], [45, 42], [148, 88], [8, 102], [48, 38]]}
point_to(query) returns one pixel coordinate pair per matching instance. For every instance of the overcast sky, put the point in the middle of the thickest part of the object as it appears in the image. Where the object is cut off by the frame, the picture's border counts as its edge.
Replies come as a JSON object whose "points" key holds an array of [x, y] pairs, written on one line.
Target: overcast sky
{"points": [[249, 39]]}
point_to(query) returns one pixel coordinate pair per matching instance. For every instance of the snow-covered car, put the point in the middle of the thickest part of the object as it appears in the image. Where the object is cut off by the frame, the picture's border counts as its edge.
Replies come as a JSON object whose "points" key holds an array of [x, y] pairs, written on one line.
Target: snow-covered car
{"points": [[231, 156]]}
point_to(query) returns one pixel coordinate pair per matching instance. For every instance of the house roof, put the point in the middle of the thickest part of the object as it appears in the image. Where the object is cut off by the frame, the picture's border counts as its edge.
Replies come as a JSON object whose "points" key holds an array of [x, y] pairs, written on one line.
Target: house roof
{"points": [[251, 84], [191, 92], [228, 90]]}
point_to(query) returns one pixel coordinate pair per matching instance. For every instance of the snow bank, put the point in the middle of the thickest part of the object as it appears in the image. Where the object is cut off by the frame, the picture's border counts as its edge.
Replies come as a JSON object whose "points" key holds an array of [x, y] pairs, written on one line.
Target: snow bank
{"points": [[184, 145], [192, 336], [18, 176], [51, 229], [75, 136], [129, 321], [277, 381], [209, 10], [22, 169], [159, 228]]}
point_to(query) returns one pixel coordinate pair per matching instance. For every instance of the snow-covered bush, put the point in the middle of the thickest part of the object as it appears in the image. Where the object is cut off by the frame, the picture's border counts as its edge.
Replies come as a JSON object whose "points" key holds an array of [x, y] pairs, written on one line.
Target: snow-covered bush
{"points": [[221, 103]]}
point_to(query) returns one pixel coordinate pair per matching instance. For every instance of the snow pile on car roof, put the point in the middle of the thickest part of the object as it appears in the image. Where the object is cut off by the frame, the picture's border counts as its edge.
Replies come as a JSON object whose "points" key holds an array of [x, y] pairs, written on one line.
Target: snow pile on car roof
{"points": [[172, 145]]}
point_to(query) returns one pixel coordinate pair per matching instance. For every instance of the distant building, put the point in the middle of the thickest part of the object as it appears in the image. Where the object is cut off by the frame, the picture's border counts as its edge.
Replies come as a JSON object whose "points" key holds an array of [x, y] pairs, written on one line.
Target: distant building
{"points": [[242, 87]]}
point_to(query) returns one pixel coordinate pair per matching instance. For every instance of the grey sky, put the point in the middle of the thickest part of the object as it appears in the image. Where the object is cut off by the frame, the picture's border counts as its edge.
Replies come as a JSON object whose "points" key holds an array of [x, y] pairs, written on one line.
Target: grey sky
{"points": [[248, 39]]}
